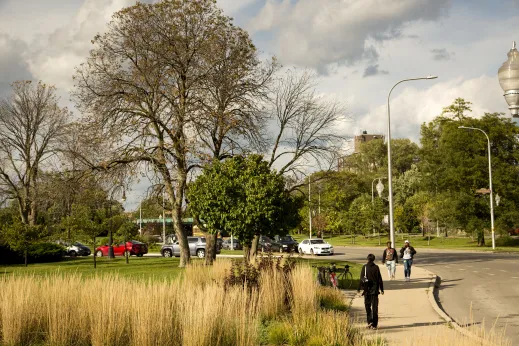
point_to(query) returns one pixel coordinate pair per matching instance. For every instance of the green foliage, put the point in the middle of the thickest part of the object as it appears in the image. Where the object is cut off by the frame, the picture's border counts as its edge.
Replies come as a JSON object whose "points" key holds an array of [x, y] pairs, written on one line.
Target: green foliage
{"points": [[45, 252], [278, 333], [21, 236], [243, 197]]}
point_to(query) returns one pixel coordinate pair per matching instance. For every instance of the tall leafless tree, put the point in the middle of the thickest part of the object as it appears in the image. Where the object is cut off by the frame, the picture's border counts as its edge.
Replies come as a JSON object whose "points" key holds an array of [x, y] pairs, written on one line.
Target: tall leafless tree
{"points": [[144, 90], [306, 128], [32, 127]]}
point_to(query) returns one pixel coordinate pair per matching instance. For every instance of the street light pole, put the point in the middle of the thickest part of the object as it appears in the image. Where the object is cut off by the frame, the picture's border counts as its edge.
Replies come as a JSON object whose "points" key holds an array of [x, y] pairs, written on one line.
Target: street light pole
{"points": [[490, 182], [389, 166]]}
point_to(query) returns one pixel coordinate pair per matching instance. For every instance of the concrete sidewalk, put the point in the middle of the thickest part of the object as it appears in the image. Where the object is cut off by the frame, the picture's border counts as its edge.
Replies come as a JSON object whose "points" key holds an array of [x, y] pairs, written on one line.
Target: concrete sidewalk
{"points": [[406, 316]]}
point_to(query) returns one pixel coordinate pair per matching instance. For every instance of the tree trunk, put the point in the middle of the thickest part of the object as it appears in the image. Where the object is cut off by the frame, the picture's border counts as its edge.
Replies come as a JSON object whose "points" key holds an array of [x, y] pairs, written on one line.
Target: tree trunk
{"points": [[95, 259], [210, 248], [246, 253], [176, 214], [25, 256], [481, 238], [254, 247]]}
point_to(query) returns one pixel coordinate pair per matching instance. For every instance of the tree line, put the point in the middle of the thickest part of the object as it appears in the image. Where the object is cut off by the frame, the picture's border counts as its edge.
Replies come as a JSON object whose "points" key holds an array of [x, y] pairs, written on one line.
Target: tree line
{"points": [[436, 181]]}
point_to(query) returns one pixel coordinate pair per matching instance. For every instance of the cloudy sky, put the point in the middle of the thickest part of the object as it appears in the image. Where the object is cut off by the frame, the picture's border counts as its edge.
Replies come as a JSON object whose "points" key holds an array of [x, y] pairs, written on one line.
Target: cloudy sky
{"points": [[360, 48]]}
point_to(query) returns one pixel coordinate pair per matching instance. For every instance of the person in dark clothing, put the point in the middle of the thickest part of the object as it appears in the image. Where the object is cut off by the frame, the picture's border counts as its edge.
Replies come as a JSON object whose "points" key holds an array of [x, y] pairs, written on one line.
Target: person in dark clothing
{"points": [[390, 259], [407, 254], [372, 285]]}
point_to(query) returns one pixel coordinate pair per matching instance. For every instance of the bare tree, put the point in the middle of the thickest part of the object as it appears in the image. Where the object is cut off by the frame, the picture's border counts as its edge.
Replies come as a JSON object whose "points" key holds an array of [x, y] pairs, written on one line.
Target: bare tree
{"points": [[32, 127], [142, 90], [306, 129], [306, 125]]}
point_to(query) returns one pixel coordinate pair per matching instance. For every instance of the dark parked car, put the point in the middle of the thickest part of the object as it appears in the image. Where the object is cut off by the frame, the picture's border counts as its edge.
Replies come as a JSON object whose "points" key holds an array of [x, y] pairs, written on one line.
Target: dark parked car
{"points": [[74, 249], [219, 243], [288, 244], [266, 244], [196, 247], [235, 244], [133, 247]]}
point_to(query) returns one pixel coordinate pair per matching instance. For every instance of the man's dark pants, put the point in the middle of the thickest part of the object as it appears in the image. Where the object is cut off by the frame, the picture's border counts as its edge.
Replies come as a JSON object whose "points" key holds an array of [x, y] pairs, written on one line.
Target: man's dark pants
{"points": [[371, 305]]}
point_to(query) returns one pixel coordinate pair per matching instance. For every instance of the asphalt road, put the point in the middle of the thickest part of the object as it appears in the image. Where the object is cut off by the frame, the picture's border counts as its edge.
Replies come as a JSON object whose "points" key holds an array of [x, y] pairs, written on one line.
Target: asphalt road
{"points": [[484, 285]]}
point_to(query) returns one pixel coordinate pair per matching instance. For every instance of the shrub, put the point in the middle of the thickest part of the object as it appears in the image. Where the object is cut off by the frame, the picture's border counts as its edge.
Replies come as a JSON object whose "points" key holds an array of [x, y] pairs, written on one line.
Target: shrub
{"points": [[9, 256], [45, 252], [278, 333]]}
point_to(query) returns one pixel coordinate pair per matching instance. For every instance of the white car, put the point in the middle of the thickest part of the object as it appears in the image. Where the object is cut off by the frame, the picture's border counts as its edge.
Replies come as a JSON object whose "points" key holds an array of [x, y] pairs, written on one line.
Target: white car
{"points": [[315, 246]]}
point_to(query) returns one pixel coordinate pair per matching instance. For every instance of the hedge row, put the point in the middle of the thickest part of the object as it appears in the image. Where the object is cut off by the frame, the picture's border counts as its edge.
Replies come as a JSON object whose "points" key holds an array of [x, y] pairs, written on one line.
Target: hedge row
{"points": [[37, 253]]}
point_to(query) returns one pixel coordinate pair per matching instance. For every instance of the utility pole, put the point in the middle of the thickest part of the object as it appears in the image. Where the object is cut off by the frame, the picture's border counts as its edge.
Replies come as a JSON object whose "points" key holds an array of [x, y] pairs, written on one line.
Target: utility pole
{"points": [[163, 217], [309, 207]]}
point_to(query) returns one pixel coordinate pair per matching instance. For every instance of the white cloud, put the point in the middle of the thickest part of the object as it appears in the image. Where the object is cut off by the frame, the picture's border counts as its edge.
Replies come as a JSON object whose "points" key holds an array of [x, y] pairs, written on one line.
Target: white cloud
{"points": [[54, 59], [12, 64], [232, 7], [320, 33], [411, 107]]}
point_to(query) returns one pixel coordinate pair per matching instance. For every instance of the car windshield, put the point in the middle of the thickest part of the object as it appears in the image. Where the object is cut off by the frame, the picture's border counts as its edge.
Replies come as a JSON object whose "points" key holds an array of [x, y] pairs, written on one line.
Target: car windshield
{"points": [[286, 239], [78, 244], [317, 241]]}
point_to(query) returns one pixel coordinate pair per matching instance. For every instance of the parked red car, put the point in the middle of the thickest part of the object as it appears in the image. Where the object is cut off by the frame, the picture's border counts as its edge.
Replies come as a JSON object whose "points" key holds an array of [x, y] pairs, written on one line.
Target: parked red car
{"points": [[133, 247], [513, 231]]}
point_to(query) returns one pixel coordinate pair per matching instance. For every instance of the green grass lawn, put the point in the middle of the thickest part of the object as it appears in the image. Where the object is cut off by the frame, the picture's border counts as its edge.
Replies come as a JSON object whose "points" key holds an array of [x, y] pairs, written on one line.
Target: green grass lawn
{"points": [[145, 268], [138, 268], [502, 244]]}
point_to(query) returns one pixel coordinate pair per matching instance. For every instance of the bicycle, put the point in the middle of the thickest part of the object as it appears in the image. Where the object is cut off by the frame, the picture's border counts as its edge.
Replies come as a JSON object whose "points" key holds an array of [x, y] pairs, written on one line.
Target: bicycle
{"points": [[346, 276], [326, 276]]}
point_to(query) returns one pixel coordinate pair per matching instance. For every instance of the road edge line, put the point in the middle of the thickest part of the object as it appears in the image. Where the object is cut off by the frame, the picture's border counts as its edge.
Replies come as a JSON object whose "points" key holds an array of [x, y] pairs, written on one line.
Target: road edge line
{"points": [[434, 303]]}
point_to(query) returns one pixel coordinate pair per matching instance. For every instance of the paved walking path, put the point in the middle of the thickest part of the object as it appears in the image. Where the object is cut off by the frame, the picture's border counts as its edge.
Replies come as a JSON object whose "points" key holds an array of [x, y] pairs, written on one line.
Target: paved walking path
{"points": [[406, 316]]}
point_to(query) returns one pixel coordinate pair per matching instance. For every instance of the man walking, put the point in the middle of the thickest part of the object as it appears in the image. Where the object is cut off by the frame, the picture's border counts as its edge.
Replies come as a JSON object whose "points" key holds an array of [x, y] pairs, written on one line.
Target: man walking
{"points": [[407, 253], [372, 285], [390, 259]]}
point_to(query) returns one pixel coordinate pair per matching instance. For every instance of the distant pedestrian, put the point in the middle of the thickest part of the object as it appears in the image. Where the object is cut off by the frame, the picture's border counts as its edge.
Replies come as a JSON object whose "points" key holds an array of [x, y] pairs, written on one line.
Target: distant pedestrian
{"points": [[407, 253], [372, 285], [390, 259]]}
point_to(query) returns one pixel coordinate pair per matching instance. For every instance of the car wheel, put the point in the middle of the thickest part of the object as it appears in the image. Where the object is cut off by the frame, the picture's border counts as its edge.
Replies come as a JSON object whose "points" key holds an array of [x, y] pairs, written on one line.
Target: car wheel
{"points": [[312, 252], [140, 255], [200, 253], [300, 251], [99, 253], [167, 253], [73, 253]]}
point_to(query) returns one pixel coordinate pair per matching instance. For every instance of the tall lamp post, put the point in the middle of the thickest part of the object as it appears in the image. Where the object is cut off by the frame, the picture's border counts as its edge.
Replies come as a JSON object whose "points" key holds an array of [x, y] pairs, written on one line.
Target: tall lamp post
{"points": [[389, 169], [380, 189], [490, 182]]}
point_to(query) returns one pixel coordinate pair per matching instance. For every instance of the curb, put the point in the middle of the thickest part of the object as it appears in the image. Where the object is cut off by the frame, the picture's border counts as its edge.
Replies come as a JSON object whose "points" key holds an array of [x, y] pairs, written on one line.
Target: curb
{"points": [[434, 303]]}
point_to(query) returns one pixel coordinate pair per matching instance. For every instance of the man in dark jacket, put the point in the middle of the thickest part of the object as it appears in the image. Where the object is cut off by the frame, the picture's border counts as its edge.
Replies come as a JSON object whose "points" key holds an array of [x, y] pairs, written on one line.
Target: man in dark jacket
{"points": [[390, 259], [372, 285]]}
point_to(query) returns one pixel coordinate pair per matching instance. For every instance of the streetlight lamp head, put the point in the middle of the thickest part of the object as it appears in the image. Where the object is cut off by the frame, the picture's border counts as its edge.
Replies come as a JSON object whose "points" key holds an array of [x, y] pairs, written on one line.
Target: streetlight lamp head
{"points": [[508, 75], [432, 77], [380, 188]]}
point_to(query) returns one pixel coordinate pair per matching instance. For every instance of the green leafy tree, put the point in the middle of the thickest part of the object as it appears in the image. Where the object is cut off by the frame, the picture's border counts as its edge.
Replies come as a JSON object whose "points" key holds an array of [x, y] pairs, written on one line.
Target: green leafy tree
{"points": [[21, 236], [242, 196]]}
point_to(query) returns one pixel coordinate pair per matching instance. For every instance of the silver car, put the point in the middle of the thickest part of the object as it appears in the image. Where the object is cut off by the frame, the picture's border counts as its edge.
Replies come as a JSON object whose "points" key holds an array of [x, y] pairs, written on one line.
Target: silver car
{"points": [[196, 247]]}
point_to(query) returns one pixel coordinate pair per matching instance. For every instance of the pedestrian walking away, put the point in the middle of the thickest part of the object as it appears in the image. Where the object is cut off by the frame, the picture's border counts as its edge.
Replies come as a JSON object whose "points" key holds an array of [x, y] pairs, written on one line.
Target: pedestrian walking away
{"points": [[407, 254], [390, 259], [372, 285]]}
